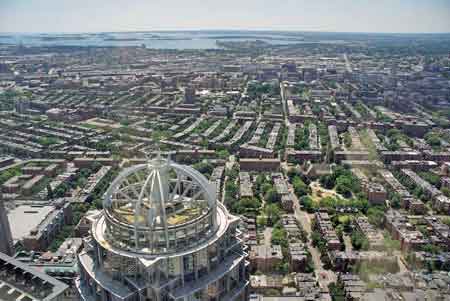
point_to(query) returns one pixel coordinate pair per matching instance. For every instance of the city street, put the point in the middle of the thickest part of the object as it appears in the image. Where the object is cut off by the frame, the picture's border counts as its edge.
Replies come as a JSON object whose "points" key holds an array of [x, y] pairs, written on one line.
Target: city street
{"points": [[325, 277]]}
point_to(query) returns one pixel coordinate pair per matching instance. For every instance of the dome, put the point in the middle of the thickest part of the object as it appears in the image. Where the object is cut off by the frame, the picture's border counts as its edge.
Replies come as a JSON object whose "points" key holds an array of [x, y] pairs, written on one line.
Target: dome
{"points": [[163, 236], [151, 207]]}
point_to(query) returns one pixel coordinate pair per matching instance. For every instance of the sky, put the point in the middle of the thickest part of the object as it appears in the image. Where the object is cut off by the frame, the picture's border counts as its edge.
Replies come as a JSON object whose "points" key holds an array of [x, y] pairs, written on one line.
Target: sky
{"points": [[303, 15]]}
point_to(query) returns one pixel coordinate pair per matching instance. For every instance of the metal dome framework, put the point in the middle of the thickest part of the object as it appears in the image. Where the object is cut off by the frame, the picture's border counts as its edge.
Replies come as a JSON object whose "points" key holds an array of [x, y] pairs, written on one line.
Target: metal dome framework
{"points": [[159, 207], [163, 236]]}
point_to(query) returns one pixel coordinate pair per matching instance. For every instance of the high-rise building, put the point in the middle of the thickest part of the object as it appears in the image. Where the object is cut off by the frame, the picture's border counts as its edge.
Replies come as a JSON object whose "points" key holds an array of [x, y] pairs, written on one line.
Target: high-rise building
{"points": [[162, 235], [6, 241], [189, 95]]}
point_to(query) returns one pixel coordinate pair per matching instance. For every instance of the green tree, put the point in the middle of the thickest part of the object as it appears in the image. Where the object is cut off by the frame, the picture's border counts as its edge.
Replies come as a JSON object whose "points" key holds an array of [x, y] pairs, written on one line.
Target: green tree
{"points": [[223, 154], [328, 202], [283, 268], [60, 190], [430, 248], [279, 237], [347, 140], [204, 167], [431, 178], [273, 213], [50, 195], [445, 191], [300, 188], [327, 181], [7, 174], [261, 221], [433, 140], [446, 220], [396, 201], [317, 239], [307, 203], [344, 185], [259, 182], [266, 187], [337, 291], [390, 244], [272, 196], [359, 241], [246, 205], [375, 216], [231, 188], [293, 172]]}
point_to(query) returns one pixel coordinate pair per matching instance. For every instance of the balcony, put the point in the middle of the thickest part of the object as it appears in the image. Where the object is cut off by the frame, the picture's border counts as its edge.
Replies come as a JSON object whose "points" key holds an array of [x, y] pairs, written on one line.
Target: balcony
{"points": [[235, 292], [222, 269]]}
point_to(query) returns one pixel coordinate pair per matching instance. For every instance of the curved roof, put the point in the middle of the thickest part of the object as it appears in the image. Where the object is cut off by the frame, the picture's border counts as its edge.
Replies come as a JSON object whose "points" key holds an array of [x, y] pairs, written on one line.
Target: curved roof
{"points": [[158, 196]]}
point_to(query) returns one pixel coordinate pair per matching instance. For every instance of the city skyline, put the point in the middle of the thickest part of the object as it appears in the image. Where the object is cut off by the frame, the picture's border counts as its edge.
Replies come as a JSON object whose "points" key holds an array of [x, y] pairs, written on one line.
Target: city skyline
{"points": [[224, 151], [405, 16]]}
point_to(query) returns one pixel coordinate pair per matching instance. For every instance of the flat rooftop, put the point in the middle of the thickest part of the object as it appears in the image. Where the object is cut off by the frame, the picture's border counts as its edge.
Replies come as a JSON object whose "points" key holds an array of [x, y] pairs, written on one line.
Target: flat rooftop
{"points": [[24, 218]]}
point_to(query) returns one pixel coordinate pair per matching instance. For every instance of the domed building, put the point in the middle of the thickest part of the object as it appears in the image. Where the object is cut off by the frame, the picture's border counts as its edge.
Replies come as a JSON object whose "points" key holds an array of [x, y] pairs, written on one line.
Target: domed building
{"points": [[162, 235]]}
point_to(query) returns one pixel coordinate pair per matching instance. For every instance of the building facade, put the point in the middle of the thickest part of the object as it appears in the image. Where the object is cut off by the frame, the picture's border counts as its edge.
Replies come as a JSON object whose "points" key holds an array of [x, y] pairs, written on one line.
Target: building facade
{"points": [[6, 245]]}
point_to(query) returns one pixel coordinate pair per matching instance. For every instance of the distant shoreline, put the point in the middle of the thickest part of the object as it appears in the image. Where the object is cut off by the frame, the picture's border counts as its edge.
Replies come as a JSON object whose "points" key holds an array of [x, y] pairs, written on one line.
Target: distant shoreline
{"points": [[218, 31], [211, 39]]}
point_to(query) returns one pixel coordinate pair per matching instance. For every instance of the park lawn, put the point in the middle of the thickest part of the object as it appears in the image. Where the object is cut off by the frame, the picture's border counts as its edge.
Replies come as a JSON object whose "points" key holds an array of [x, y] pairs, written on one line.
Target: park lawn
{"points": [[318, 192]]}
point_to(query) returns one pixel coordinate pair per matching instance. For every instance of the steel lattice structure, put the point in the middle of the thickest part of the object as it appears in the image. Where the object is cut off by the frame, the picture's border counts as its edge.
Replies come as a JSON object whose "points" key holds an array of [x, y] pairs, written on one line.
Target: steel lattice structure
{"points": [[163, 236]]}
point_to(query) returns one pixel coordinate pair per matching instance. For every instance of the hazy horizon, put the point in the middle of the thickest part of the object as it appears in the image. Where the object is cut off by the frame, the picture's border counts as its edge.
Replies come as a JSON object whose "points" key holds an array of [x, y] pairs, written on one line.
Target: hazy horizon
{"points": [[263, 30], [52, 16]]}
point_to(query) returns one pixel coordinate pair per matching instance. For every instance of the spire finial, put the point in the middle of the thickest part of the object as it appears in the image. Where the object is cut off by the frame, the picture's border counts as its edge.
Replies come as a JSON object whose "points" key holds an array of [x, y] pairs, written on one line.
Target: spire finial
{"points": [[158, 154]]}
